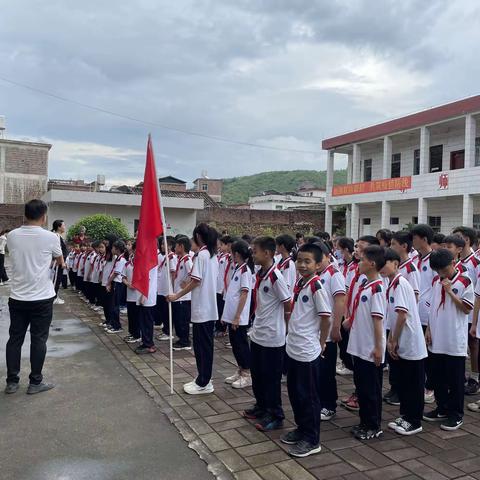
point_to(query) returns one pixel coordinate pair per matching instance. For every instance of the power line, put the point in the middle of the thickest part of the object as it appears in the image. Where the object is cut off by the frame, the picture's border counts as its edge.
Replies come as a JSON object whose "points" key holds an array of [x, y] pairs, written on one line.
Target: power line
{"points": [[153, 124]]}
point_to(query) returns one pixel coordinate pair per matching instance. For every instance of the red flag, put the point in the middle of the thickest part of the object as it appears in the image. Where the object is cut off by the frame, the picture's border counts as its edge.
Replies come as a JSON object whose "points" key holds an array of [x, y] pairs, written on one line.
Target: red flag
{"points": [[150, 226]]}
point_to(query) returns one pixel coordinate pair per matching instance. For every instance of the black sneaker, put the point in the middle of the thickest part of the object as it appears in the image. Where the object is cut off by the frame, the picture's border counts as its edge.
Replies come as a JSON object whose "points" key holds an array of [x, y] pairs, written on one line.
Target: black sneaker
{"points": [[434, 416], [368, 434], [177, 346], [406, 428], [326, 414], [471, 387], [304, 449], [11, 388], [143, 350], [269, 423], [451, 424], [291, 438], [393, 399], [357, 428], [253, 413], [41, 387]]}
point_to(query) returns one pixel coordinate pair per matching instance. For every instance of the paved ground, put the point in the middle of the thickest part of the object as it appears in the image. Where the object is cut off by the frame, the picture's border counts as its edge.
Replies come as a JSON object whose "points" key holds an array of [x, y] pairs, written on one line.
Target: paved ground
{"points": [[214, 428]]}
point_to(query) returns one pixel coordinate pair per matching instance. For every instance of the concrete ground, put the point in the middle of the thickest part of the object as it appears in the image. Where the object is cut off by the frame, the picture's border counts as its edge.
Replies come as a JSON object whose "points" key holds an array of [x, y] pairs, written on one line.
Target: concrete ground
{"points": [[97, 424]]}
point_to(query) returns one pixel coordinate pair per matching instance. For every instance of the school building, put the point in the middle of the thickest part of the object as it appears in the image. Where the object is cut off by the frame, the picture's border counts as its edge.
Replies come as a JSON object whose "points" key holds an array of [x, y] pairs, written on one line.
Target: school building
{"points": [[421, 168]]}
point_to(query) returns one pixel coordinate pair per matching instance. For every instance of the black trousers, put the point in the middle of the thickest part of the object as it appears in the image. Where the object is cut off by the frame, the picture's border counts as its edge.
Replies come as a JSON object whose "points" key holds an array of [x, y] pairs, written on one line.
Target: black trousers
{"points": [[345, 357], [203, 348], [328, 381], [108, 301], [3, 273], [79, 283], [146, 316], [448, 377], [117, 301], [393, 373], [38, 316], [58, 278], [72, 277], [101, 292], [410, 389], [133, 320], [266, 365], [303, 383], [219, 326], [368, 380], [161, 314], [181, 312], [240, 347], [428, 367]]}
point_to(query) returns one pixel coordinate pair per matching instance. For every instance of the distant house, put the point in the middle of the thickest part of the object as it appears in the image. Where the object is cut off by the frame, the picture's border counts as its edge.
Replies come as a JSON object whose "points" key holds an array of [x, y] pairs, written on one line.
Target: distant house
{"points": [[172, 183], [309, 198], [212, 186]]}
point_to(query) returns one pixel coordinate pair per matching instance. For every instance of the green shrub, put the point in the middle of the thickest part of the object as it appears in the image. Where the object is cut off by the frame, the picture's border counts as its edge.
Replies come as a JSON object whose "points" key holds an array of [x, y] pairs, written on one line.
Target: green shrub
{"points": [[98, 226]]}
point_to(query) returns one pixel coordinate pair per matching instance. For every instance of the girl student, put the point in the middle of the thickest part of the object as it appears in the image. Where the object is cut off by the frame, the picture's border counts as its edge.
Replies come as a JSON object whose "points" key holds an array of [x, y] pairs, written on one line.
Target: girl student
{"points": [[107, 294], [96, 276], [133, 295], [237, 311], [203, 285]]}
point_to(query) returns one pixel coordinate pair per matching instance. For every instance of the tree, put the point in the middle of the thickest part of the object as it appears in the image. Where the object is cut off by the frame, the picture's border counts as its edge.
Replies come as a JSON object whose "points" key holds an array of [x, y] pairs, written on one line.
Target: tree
{"points": [[98, 227]]}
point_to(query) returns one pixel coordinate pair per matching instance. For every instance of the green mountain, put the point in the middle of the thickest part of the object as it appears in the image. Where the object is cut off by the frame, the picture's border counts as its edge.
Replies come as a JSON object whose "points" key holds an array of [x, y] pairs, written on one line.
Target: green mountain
{"points": [[238, 189]]}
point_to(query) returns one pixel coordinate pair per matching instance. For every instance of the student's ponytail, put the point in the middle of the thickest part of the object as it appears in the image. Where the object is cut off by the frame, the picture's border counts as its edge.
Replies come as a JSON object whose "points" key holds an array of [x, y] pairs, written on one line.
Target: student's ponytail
{"points": [[207, 236], [243, 249]]}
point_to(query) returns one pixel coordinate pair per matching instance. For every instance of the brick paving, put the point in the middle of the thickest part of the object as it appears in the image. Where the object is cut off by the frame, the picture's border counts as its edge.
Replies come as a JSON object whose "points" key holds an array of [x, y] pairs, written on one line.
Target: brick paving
{"points": [[233, 448]]}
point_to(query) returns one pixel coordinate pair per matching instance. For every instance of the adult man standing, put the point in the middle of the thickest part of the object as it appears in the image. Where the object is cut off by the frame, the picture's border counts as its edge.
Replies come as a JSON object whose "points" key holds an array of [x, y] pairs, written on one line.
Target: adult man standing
{"points": [[32, 293]]}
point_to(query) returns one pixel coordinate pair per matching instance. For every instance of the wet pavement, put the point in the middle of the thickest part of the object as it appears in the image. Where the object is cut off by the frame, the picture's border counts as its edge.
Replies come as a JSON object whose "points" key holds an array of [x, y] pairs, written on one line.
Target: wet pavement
{"points": [[97, 423]]}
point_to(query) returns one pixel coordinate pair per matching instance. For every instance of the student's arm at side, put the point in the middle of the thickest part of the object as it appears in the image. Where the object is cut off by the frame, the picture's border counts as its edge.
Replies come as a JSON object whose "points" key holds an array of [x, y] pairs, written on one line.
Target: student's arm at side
{"points": [[287, 310], [338, 312], [241, 305], [377, 353], [192, 285], [395, 335], [324, 329]]}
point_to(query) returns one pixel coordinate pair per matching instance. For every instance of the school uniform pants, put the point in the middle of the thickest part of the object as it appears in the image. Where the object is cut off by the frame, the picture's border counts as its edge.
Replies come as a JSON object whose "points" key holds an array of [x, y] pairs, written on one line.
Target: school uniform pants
{"points": [[79, 283], [58, 278], [328, 381], [448, 377], [117, 300], [266, 365], [161, 315], [101, 292], [64, 280], [3, 273], [345, 357], [428, 367], [219, 327], [181, 312], [240, 347], [38, 316], [108, 301], [133, 320], [393, 374], [368, 380], [203, 349], [71, 277], [303, 384], [146, 316], [410, 389]]}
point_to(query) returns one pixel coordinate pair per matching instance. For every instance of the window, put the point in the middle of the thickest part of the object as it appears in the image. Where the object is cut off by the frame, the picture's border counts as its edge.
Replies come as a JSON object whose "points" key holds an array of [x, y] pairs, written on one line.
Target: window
{"points": [[136, 223], [394, 221], [367, 170], [436, 158], [204, 187], [435, 223], [415, 220], [366, 221], [416, 162], [477, 151], [476, 221], [457, 159], [278, 207], [396, 162]]}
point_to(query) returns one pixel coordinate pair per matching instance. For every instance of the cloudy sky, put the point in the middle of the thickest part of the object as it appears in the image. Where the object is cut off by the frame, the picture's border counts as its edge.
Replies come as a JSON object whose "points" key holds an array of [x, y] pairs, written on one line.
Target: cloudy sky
{"points": [[279, 73]]}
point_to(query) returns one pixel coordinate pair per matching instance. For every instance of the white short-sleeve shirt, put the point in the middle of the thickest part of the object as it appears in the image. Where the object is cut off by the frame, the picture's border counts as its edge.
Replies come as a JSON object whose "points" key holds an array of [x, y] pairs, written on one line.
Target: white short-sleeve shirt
{"points": [[271, 292], [222, 263], [31, 251], [449, 325], [118, 266], [132, 294], [426, 278], [151, 299], [410, 272], [204, 296], [333, 283], [162, 274], [240, 281], [310, 302], [401, 298], [371, 301], [106, 272], [289, 272], [89, 260], [182, 275]]}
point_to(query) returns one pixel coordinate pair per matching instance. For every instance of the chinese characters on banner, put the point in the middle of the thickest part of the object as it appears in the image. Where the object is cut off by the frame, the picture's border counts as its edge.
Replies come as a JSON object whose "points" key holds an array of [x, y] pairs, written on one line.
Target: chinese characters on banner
{"points": [[384, 185]]}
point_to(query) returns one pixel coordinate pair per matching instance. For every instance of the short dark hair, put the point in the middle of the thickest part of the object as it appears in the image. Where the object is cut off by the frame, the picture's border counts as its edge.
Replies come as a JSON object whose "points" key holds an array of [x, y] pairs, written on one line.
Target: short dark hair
{"points": [[467, 232], [247, 238], [404, 238], [265, 243], [96, 243], [287, 241], [391, 255], [457, 240], [369, 239], [345, 242], [315, 249], [298, 235], [184, 241], [438, 238], [423, 231], [227, 239], [376, 254], [440, 258], [35, 209], [325, 236], [120, 245], [56, 225], [385, 234]]}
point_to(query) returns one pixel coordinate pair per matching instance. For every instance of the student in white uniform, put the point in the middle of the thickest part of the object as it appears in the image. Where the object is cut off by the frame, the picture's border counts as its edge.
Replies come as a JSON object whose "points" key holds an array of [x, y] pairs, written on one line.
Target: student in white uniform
{"points": [[367, 343], [203, 285], [447, 338], [107, 293], [308, 330], [226, 266], [96, 276], [271, 306], [286, 264], [237, 311], [406, 346], [384, 237], [115, 285], [134, 334]]}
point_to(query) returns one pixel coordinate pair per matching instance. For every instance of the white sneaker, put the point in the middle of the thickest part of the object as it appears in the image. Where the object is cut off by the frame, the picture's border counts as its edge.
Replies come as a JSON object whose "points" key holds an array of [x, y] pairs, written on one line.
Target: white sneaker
{"points": [[102, 316], [58, 301], [243, 382], [474, 406], [194, 389], [233, 378], [163, 338], [429, 396], [343, 371]]}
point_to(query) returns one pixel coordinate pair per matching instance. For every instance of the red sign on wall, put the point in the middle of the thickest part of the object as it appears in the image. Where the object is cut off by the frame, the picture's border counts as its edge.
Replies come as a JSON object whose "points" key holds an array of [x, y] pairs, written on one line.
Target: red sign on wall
{"points": [[385, 185]]}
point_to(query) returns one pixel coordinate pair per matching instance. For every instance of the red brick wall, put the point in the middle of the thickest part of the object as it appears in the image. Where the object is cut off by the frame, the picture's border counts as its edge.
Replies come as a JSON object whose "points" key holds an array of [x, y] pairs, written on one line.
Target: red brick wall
{"points": [[31, 160], [173, 186], [215, 187], [11, 216]]}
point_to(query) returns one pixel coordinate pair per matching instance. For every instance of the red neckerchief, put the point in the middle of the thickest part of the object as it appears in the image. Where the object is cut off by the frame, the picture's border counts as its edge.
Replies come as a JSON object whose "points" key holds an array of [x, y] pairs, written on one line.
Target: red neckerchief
{"points": [[130, 260], [393, 284], [299, 286], [352, 287], [164, 261], [112, 273], [284, 262], [356, 302], [258, 281], [421, 259], [227, 269], [345, 267], [443, 295], [460, 266], [184, 260]]}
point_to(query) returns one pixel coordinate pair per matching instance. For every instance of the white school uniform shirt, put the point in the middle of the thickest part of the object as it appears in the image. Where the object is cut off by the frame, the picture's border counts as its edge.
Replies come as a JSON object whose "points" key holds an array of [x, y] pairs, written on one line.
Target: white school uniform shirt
{"points": [[3, 243], [370, 300], [477, 295], [471, 267], [151, 299], [277, 258], [118, 266], [132, 294], [81, 264], [222, 264], [96, 268], [269, 295], [204, 297], [410, 272], [182, 275], [353, 282], [227, 275], [241, 281], [401, 298], [426, 278], [333, 284], [289, 272], [449, 325], [106, 272], [310, 302], [90, 258], [162, 274], [70, 259], [76, 260]]}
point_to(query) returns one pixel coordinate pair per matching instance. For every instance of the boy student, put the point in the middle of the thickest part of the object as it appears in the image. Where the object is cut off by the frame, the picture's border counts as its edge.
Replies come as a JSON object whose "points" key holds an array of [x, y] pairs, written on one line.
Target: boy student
{"points": [[226, 266], [406, 346], [70, 262], [133, 295], [422, 236], [285, 245], [438, 241], [181, 308], [447, 338], [367, 342], [309, 322], [87, 273], [345, 247], [271, 306]]}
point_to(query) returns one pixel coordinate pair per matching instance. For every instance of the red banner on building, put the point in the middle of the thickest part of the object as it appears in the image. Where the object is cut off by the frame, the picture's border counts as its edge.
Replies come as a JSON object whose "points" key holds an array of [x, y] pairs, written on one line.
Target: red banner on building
{"points": [[385, 185]]}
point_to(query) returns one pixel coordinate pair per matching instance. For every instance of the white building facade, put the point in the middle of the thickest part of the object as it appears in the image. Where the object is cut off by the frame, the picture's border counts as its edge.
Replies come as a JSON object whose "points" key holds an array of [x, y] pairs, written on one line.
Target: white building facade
{"points": [[284, 201], [421, 168]]}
